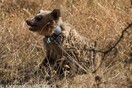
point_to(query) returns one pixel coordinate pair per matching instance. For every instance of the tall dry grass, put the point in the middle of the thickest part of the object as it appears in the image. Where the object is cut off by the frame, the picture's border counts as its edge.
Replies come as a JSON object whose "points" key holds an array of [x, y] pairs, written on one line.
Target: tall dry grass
{"points": [[100, 20]]}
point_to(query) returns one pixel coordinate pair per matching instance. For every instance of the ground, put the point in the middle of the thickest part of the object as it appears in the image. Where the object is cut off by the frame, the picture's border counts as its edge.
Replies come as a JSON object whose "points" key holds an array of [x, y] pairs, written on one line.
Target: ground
{"points": [[103, 21]]}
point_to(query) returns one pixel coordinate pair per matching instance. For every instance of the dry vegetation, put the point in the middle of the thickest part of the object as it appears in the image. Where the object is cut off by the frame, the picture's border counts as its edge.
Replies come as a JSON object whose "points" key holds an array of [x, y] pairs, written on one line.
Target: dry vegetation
{"points": [[100, 20]]}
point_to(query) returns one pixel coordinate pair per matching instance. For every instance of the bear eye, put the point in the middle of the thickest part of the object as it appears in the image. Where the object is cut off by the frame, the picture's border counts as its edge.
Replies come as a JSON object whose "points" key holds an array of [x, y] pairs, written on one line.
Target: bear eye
{"points": [[38, 18]]}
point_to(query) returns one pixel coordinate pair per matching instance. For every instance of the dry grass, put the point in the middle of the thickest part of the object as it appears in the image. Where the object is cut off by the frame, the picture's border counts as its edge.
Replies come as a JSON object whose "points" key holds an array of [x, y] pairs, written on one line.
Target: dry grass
{"points": [[100, 20]]}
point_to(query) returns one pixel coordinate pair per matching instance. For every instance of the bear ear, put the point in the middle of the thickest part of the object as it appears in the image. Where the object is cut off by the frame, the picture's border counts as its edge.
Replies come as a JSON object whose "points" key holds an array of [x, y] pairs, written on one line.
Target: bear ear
{"points": [[56, 14]]}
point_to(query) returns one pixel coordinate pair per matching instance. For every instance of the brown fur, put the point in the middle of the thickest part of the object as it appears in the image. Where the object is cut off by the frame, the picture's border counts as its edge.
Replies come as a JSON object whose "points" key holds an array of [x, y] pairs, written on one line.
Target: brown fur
{"points": [[68, 50]]}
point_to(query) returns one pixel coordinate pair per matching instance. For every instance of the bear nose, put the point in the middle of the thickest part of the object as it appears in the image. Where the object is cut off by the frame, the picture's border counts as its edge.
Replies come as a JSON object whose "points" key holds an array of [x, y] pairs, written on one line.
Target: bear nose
{"points": [[28, 22]]}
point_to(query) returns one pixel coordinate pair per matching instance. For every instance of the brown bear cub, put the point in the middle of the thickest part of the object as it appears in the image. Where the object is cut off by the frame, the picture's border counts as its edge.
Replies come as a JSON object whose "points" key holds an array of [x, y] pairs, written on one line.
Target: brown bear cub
{"points": [[66, 50]]}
